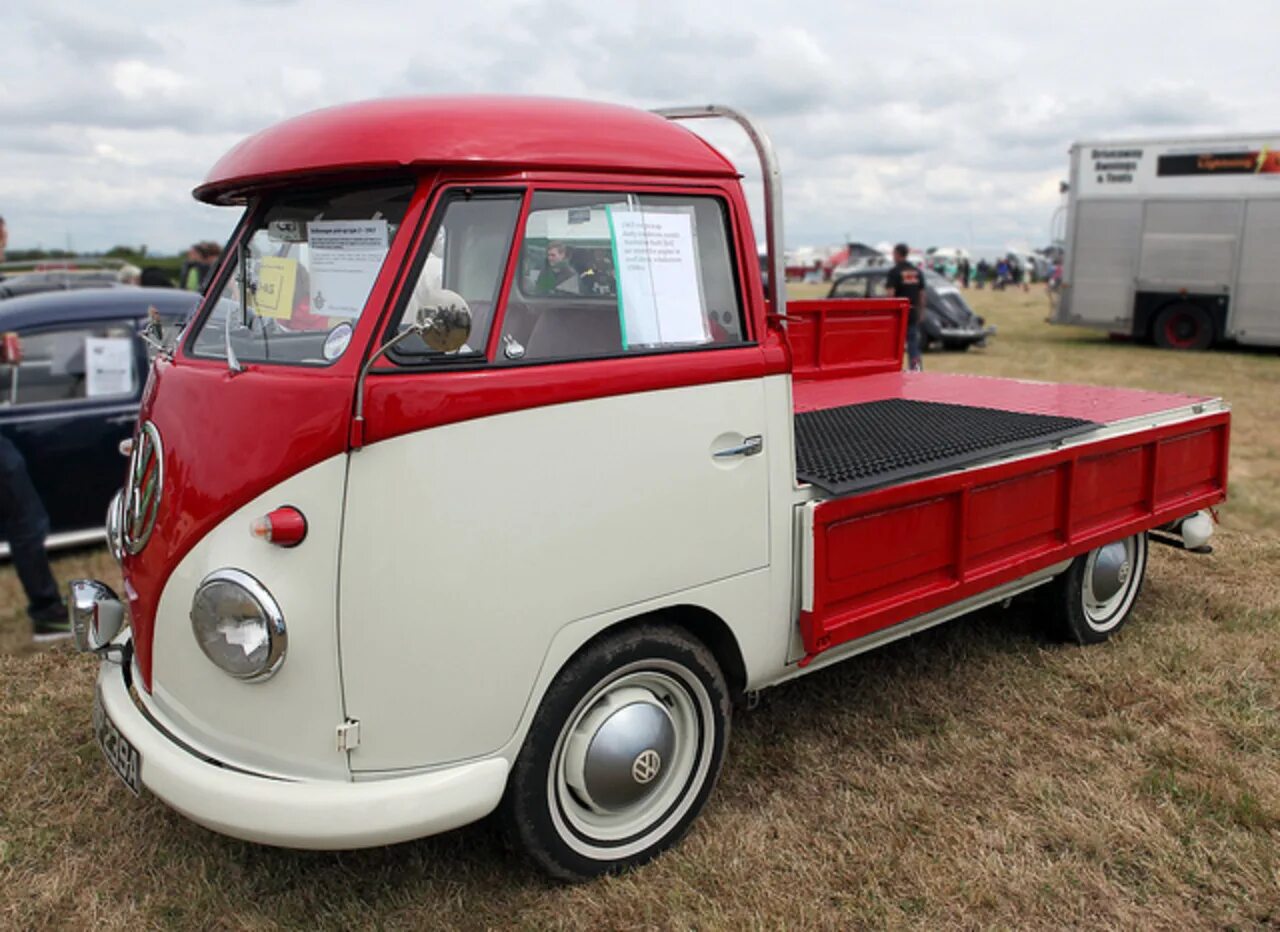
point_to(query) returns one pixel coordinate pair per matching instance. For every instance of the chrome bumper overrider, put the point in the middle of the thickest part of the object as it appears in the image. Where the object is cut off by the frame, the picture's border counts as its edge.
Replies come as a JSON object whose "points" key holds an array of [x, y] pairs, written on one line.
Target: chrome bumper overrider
{"points": [[95, 612]]}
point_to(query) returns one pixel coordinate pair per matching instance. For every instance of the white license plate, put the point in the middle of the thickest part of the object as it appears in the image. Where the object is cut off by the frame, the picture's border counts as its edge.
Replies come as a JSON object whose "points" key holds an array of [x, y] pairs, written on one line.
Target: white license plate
{"points": [[120, 754]]}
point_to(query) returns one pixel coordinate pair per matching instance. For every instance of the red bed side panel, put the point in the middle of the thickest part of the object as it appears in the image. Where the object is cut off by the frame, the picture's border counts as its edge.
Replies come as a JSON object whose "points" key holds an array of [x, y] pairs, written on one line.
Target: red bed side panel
{"points": [[890, 555]]}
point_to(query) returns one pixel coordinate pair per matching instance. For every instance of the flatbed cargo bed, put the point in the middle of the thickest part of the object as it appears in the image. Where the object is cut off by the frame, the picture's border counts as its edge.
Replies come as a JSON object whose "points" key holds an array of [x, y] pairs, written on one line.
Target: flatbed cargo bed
{"points": [[1023, 476], [868, 431]]}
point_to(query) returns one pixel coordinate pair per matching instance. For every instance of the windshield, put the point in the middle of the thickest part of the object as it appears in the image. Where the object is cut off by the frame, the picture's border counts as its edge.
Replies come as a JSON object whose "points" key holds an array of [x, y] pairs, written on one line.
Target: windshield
{"points": [[310, 262]]}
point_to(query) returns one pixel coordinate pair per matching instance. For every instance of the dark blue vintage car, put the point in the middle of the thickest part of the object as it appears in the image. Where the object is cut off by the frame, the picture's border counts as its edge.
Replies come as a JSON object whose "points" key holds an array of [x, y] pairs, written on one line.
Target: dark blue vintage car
{"points": [[73, 396]]}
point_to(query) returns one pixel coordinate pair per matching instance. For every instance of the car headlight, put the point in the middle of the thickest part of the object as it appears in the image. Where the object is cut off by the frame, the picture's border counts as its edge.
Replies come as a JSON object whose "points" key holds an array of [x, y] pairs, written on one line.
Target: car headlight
{"points": [[238, 625]]}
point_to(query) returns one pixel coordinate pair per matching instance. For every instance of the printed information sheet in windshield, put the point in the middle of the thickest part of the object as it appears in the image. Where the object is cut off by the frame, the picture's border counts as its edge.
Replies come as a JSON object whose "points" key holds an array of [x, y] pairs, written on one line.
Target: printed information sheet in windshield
{"points": [[345, 258]]}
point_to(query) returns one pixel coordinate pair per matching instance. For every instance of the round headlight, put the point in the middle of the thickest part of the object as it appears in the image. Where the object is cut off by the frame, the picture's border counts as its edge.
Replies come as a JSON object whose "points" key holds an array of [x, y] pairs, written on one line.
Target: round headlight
{"points": [[238, 625]]}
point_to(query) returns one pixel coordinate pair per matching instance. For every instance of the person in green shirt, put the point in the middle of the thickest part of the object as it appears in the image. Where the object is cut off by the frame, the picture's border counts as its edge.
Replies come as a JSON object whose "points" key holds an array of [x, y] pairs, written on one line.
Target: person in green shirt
{"points": [[558, 274], [201, 258]]}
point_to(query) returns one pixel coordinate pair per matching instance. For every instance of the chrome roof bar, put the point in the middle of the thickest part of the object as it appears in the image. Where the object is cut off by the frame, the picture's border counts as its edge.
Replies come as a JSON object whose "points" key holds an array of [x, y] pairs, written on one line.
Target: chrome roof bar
{"points": [[772, 176]]}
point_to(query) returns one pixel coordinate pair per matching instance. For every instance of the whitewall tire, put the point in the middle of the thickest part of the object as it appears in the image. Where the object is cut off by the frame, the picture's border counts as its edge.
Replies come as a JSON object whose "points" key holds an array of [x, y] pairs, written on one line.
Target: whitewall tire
{"points": [[622, 754], [1093, 599]]}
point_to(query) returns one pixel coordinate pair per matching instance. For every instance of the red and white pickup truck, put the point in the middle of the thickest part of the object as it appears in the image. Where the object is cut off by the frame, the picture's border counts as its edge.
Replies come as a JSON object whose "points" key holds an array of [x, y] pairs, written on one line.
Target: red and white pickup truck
{"points": [[487, 477]]}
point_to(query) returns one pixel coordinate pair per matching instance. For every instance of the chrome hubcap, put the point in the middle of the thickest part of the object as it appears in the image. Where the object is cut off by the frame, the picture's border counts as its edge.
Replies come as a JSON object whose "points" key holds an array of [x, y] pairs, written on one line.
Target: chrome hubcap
{"points": [[1109, 581], [615, 757], [631, 758], [1111, 570]]}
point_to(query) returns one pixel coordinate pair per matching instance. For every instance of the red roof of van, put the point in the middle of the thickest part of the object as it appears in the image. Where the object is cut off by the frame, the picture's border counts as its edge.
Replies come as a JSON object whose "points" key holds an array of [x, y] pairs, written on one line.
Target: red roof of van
{"points": [[516, 133]]}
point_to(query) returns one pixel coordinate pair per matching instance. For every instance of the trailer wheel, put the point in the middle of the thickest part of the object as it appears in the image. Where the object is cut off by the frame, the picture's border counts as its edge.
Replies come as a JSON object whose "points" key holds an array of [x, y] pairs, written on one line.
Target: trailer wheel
{"points": [[621, 756], [1092, 600], [1184, 327]]}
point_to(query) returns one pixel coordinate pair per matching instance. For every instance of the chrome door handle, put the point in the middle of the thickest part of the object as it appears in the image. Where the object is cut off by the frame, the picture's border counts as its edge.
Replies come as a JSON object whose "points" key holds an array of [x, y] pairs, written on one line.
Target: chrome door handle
{"points": [[750, 446]]}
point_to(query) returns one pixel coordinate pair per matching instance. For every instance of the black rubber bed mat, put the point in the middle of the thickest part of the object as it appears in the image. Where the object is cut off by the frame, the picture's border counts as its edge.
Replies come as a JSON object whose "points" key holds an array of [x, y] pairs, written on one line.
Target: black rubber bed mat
{"points": [[864, 446]]}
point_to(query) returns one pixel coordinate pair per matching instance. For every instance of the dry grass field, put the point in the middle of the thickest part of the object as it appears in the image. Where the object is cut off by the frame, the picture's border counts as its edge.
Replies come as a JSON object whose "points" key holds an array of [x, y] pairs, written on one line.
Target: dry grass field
{"points": [[978, 775]]}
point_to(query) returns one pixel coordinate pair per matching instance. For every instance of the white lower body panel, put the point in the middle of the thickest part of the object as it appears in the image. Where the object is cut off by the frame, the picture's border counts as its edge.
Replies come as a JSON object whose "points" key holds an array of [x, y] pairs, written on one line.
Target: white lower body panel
{"points": [[319, 814]]}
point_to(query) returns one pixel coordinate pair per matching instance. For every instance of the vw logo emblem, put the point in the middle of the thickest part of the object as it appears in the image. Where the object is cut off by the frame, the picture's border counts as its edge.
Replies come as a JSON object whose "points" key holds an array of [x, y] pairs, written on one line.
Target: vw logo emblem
{"points": [[146, 483], [646, 766], [1123, 573]]}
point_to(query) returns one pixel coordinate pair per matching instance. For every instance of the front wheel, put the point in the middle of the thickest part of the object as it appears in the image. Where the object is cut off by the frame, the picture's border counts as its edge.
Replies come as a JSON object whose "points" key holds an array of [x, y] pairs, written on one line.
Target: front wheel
{"points": [[1092, 600], [622, 754]]}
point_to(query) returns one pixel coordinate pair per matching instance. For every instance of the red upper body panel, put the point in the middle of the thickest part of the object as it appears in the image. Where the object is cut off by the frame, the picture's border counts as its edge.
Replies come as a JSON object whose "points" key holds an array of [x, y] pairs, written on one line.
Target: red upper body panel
{"points": [[226, 439], [511, 133]]}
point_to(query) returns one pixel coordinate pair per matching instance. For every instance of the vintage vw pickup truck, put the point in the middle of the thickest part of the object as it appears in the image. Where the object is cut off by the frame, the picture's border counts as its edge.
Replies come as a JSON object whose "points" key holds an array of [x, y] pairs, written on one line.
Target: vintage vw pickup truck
{"points": [[487, 477]]}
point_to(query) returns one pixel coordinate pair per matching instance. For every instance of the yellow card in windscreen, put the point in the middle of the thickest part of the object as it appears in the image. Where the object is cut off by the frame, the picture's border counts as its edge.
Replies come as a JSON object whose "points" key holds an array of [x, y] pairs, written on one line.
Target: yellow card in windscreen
{"points": [[276, 280]]}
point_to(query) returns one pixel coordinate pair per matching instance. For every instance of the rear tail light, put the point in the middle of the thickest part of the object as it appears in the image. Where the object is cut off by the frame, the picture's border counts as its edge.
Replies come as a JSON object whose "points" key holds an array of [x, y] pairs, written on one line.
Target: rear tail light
{"points": [[284, 527]]}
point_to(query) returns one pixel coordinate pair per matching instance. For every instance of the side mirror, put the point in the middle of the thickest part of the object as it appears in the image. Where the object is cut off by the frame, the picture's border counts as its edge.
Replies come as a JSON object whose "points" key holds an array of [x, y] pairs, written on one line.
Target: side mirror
{"points": [[443, 321], [152, 332]]}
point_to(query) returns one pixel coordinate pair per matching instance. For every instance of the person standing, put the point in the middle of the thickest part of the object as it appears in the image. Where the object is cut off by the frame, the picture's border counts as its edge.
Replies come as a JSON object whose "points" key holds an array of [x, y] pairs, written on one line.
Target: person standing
{"points": [[198, 266], [191, 275], [4, 238], [907, 281], [25, 524]]}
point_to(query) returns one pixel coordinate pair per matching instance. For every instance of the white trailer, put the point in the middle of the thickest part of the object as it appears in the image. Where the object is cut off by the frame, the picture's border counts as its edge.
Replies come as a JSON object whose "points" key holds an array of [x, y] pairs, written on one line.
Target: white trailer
{"points": [[1175, 240]]}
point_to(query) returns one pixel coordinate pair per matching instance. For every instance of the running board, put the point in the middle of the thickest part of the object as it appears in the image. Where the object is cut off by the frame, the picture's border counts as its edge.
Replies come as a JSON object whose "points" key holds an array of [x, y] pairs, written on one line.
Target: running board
{"points": [[63, 540]]}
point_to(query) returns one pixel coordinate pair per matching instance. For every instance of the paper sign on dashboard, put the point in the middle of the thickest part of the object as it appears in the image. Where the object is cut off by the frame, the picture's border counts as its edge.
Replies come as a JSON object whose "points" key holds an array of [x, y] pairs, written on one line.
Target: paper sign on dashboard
{"points": [[277, 280], [108, 366]]}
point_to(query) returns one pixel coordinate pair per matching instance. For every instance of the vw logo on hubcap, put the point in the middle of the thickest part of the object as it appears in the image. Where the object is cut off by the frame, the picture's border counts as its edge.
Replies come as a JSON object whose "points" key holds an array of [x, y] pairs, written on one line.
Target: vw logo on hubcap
{"points": [[646, 766], [146, 483]]}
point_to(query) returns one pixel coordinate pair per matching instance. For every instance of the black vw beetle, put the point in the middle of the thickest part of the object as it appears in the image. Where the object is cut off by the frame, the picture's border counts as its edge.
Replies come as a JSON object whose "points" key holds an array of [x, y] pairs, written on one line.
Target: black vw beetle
{"points": [[72, 368], [948, 321]]}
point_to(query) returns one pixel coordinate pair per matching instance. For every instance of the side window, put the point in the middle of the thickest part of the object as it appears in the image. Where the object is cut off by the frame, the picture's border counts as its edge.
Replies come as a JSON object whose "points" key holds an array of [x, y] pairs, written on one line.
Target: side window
{"points": [[877, 287], [466, 259], [61, 365], [610, 274], [855, 287]]}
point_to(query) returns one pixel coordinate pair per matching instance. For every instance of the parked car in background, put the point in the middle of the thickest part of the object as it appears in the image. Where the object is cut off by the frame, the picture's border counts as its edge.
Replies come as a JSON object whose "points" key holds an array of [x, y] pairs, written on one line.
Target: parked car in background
{"points": [[72, 376], [948, 322], [18, 279], [29, 283]]}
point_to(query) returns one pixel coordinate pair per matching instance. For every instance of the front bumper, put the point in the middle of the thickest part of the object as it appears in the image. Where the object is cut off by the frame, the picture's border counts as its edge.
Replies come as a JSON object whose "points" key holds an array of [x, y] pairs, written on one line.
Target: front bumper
{"points": [[326, 815], [957, 335]]}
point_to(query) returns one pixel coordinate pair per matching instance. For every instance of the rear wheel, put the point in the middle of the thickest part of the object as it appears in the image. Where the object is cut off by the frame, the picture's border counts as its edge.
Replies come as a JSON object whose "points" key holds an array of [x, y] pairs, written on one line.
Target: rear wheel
{"points": [[1183, 326], [1092, 600], [622, 754]]}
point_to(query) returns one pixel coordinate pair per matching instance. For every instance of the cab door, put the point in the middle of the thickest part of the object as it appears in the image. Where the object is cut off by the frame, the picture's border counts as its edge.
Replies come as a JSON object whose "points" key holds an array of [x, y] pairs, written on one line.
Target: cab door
{"points": [[604, 447]]}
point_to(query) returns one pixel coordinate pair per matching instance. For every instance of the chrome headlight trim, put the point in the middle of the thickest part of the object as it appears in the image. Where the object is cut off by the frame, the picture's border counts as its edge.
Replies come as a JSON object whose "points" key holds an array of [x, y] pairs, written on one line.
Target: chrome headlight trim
{"points": [[273, 617]]}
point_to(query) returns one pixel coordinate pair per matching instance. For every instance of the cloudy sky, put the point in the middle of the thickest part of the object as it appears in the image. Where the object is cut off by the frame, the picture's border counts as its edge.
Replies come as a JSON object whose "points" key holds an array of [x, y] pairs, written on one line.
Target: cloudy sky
{"points": [[939, 123]]}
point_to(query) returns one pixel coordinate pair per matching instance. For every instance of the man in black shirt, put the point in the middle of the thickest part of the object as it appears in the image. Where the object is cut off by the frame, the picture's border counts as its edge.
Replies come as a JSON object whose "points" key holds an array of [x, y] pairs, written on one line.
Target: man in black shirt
{"points": [[907, 281]]}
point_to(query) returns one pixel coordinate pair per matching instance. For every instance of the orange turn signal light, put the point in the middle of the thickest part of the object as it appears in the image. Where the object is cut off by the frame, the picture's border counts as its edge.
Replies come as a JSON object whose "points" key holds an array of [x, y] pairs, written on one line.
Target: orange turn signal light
{"points": [[284, 527]]}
